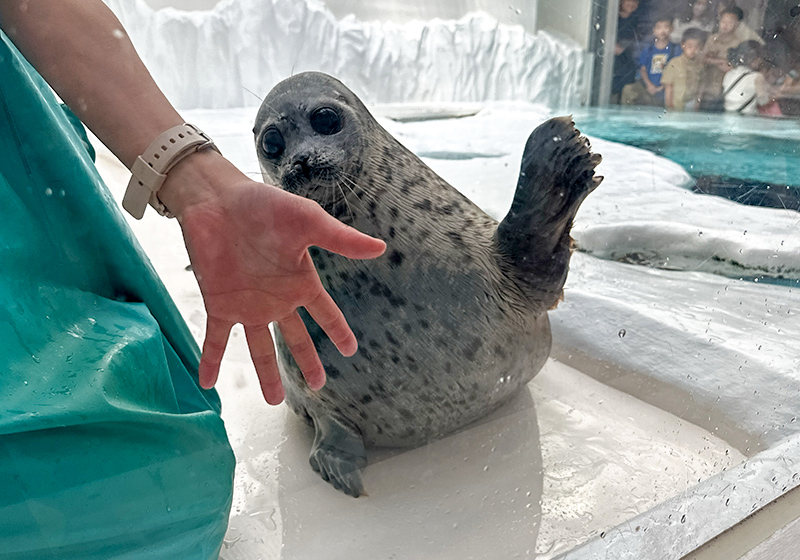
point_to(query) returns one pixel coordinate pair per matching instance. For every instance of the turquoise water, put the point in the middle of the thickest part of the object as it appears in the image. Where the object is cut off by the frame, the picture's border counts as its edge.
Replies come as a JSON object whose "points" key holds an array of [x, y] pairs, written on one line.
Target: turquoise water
{"points": [[748, 149]]}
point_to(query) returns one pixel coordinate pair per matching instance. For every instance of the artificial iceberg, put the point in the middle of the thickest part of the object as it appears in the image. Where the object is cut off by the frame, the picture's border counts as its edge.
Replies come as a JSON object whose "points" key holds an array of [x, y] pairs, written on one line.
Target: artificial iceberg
{"points": [[234, 54]]}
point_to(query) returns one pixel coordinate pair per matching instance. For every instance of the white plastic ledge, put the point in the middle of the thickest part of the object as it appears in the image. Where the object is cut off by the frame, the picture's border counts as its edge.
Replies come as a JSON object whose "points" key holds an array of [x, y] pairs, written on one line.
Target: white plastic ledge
{"points": [[687, 522]]}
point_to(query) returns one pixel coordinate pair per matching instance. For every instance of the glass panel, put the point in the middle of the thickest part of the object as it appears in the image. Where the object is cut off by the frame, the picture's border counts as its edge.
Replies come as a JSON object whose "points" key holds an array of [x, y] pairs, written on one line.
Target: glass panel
{"points": [[672, 359], [665, 412]]}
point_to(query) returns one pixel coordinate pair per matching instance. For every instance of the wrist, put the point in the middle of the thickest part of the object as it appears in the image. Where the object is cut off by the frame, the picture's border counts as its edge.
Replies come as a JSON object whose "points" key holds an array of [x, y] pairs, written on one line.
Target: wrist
{"points": [[198, 179], [150, 169]]}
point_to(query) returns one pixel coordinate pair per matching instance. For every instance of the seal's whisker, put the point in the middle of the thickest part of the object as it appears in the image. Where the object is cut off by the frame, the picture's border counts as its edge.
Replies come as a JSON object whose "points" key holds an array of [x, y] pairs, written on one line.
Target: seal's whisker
{"points": [[252, 93], [347, 182], [344, 198], [360, 194]]}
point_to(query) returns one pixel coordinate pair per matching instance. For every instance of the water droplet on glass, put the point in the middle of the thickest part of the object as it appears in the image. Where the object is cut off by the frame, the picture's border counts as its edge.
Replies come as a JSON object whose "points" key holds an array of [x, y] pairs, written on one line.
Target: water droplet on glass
{"points": [[622, 333]]}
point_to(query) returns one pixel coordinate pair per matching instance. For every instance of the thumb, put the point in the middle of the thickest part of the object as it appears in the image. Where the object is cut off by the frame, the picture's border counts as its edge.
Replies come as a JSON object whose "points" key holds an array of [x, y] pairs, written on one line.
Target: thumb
{"points": [[330, 234]]}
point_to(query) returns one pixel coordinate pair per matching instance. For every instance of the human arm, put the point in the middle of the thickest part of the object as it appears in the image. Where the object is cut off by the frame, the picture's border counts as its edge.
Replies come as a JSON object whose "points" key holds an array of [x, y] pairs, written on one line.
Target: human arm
{"points": [[714, 55], [668, 81], [668, 101], [762, 91], [247, 241]]}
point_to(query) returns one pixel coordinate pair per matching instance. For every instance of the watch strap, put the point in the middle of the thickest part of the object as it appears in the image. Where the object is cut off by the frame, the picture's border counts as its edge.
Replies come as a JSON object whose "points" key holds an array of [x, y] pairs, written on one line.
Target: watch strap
{"points": [[150, 169]]}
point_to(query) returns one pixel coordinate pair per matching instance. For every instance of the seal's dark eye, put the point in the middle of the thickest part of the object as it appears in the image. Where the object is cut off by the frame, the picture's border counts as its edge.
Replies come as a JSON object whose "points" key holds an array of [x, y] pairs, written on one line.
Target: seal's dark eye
{"points": [[326, 121], [272, 143]]}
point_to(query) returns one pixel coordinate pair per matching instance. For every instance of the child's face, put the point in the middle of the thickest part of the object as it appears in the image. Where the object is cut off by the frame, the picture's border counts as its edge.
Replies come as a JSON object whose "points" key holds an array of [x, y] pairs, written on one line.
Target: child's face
{"points": [[662, 30], [728, 24], [691, 48]]}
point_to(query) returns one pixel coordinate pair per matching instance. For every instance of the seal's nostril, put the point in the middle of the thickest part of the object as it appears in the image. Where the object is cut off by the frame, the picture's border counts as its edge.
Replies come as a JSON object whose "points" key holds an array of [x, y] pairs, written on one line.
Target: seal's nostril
{"points": [[300, 167]]}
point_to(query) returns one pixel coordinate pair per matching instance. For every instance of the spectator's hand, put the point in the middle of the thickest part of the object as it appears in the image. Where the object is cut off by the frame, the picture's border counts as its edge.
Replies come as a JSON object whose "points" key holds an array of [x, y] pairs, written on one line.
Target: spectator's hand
{"points": [[618, 49], [248, 244], [652, 89]]}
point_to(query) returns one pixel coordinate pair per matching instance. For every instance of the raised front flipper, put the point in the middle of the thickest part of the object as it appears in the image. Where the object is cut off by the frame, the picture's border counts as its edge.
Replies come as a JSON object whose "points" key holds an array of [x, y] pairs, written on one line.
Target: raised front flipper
{"points": [[557, 174], [338, 454]]}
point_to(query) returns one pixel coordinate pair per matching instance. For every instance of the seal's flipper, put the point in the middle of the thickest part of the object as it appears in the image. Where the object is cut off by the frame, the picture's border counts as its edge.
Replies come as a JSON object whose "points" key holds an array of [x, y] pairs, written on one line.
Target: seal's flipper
{"points": [[338, 454], [557, 174]]}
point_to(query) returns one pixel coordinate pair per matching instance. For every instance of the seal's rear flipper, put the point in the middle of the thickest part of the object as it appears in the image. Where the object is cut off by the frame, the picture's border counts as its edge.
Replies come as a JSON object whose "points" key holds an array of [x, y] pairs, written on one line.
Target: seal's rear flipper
{"points": [[338, 454], [557, 174]]}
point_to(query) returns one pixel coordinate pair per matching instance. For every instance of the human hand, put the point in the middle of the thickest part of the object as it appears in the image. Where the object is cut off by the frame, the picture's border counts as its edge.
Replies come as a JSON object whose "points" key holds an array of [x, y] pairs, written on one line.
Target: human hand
{"points": [[652, 89], [249, 250]]}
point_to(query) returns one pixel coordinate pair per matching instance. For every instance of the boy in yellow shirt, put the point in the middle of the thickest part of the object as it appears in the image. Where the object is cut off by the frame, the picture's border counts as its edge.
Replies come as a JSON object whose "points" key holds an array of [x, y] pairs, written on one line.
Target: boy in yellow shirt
{"points": [[681, 79]]}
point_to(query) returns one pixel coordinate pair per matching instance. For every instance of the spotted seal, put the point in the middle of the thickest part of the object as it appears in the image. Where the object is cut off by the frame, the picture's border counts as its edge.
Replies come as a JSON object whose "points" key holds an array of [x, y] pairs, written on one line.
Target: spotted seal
{"points": [[452, 320]]}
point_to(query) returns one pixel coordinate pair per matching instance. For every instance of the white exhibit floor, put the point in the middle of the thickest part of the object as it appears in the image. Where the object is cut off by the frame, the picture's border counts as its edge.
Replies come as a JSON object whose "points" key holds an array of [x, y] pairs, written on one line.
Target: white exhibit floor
{"points": [[571, 456]]}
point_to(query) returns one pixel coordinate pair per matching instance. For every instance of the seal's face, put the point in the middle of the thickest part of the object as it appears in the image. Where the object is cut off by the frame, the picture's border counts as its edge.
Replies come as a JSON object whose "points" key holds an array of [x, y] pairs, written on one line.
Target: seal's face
{"points": [[309, 137]]}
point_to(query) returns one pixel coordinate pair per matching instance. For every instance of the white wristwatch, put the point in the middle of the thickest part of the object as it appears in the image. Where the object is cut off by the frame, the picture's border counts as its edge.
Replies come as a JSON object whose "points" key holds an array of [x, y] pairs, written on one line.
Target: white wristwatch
{"points": [[150, 169]]}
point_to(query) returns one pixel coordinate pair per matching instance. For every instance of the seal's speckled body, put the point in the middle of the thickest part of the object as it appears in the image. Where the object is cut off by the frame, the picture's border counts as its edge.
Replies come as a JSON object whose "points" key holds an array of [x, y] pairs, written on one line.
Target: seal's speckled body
{"points": [[452, 320]]}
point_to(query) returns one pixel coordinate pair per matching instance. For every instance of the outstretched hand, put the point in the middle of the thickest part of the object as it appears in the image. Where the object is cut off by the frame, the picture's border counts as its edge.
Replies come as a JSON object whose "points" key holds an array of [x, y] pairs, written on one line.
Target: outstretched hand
{"points": [[249, 252]]}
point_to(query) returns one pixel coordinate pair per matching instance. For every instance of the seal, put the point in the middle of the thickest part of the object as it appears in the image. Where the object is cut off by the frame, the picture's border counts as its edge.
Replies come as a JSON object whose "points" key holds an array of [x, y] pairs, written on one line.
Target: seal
{"points": [[452, 319]]}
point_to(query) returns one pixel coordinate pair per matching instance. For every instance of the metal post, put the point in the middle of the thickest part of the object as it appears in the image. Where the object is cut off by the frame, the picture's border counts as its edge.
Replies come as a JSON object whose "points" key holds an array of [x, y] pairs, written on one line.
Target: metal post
{"points": [[602, 41]]}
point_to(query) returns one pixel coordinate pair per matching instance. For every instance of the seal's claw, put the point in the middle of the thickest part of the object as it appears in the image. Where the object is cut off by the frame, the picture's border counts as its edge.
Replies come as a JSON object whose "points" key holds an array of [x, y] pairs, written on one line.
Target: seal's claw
{"points": [[338, 455]]}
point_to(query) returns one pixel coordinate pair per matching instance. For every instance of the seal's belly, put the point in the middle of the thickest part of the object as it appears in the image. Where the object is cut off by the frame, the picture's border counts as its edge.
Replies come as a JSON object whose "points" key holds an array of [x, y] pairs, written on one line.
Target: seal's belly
{"points": [[434, 355]]}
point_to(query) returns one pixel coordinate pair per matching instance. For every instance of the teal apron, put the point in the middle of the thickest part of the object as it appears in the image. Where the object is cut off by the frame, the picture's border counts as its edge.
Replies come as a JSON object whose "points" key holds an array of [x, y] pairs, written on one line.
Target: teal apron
{"points": [[108, 447]]}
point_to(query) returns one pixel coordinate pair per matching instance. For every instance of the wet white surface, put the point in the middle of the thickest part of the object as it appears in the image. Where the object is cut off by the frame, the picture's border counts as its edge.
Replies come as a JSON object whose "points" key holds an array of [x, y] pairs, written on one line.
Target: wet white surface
{"points": [[569, 458]]}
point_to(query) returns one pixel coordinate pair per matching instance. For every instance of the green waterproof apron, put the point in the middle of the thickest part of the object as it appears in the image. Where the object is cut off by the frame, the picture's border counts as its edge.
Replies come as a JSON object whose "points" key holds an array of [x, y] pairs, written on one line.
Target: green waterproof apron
{"points": [[108, 447]]}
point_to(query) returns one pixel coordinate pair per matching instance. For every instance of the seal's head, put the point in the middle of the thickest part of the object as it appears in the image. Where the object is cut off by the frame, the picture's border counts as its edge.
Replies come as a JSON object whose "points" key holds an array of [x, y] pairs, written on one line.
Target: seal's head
{"points": [[311, 136]]}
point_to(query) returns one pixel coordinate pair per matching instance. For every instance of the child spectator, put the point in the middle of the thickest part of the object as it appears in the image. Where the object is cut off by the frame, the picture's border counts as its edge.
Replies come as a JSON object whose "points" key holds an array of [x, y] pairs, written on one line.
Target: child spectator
{"points": [[716, 49], [654, 58], [745, 87], [699, 15], [743, 31], [681, 77]]}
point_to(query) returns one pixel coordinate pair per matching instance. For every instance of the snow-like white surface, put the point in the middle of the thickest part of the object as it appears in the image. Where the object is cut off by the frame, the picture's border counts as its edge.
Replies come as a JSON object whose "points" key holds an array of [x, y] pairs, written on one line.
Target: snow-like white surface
{"points": [[689, 370], [230, 56]]}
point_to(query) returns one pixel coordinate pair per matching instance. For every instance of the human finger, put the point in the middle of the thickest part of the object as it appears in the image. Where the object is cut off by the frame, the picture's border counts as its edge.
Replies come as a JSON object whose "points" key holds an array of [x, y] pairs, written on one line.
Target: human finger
{"points": [[325, 231], [262, 352], [302, 348], [331, 319], [216, 339]]}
